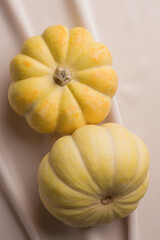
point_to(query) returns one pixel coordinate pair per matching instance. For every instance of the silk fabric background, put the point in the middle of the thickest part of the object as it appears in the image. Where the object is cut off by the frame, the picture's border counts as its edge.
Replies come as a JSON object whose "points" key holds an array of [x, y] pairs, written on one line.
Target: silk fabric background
{"points": [[130, 29]]}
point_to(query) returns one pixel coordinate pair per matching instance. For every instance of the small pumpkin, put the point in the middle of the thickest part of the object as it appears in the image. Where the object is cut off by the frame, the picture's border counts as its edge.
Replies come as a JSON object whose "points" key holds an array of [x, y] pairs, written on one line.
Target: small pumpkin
{"points": [[62, 80], [97, 174]]}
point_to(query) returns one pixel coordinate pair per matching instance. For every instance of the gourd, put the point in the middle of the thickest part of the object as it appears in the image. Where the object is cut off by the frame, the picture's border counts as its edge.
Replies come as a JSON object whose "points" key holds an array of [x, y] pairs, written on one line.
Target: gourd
{"points": [[97, 174], [62, 80]]}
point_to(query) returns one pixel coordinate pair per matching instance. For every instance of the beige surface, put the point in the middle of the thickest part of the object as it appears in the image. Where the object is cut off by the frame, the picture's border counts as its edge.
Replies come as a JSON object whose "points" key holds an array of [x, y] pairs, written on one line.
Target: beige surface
{"points": [[130, 30]]}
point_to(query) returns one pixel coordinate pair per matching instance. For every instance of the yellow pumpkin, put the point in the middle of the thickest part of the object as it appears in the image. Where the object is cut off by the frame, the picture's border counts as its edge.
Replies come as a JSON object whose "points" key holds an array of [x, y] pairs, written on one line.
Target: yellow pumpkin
{"points": [[94, 176], [62, 80]]}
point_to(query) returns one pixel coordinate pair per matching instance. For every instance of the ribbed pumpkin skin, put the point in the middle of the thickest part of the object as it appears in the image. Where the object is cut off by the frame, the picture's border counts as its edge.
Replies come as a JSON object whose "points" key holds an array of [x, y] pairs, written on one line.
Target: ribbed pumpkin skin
{"points": [[49, 107], [95, 162]]}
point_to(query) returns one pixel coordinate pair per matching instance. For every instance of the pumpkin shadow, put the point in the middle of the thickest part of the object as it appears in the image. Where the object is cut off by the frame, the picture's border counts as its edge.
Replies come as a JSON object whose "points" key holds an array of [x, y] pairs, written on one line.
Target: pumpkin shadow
{"points": [[51, 226], [17, 126], [48, 224]]}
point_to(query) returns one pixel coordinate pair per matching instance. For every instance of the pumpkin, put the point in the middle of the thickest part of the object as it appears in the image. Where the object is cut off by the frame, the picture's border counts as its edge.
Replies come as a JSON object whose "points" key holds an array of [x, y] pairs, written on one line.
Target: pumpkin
{"points": [[62, 80], [97, 174]]}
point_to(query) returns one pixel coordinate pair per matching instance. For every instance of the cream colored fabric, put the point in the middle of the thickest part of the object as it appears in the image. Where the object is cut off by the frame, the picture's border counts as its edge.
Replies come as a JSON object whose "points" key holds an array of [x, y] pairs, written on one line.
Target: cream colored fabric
{"points": [[130, 29]]}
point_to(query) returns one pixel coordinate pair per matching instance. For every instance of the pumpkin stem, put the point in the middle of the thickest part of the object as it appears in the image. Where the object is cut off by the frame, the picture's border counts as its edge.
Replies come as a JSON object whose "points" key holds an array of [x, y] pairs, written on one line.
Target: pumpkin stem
{"points": [[106, 200], [62, 76]]}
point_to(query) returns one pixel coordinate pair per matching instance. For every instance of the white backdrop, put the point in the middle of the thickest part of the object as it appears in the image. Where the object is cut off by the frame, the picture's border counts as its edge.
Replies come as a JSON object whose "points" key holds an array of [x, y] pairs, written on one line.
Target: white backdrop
{"points": [[130, 29]]}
